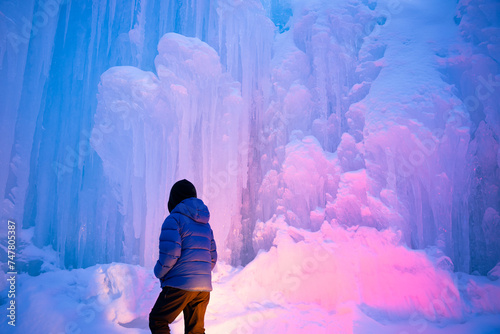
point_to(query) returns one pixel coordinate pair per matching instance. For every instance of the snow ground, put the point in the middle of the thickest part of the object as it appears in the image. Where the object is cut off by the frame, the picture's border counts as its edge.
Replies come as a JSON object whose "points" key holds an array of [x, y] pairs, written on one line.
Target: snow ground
{"points": [[372, 284]]}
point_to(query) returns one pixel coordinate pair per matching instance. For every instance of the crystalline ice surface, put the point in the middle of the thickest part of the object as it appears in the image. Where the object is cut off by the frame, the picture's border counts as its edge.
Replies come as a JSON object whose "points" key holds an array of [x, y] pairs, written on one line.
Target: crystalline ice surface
{"points": [[349, 144]]}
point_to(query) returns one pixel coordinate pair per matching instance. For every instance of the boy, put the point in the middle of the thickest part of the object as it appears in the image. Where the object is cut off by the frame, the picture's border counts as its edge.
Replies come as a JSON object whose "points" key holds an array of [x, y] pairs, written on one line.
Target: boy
{"points": [[187, 257]]}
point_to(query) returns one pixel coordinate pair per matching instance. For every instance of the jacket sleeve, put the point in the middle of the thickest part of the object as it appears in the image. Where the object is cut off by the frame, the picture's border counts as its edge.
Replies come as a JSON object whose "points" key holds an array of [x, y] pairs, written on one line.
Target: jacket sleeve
{"points": [[170, 247], [213, 251]]}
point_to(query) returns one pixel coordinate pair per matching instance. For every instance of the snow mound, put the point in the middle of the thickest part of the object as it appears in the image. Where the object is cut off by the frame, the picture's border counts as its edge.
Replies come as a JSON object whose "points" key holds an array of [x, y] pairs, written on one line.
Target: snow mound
{"points": [[359, 264]]}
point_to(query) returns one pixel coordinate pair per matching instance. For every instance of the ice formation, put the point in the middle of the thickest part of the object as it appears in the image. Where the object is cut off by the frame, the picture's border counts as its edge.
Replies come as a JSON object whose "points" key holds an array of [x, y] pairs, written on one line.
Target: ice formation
{"points": [[367, 128], [351, 111]]}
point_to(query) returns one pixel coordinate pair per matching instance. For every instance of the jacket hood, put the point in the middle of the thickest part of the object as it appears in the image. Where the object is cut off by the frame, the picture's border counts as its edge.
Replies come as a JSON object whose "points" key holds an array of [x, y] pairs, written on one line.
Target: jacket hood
{"points": [[180, 191], [194, 208]]}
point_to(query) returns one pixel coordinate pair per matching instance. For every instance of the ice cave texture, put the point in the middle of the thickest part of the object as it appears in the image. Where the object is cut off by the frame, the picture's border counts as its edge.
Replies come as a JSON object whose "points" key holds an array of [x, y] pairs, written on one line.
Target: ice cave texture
{"points": [[348, 151]]}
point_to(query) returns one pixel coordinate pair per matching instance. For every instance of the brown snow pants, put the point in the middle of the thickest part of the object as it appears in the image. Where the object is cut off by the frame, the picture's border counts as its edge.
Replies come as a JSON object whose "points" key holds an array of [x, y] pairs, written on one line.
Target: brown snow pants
{"points": [[171, 302]]}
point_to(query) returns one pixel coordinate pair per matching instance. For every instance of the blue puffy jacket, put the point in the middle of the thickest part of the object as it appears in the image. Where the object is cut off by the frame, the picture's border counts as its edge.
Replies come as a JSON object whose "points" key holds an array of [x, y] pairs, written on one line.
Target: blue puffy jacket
{"points": [[187, 248]]}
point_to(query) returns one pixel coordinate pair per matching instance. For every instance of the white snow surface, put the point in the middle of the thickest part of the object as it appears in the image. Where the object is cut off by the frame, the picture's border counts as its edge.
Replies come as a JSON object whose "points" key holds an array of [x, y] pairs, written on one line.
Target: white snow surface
{"points": [[335, 280]]}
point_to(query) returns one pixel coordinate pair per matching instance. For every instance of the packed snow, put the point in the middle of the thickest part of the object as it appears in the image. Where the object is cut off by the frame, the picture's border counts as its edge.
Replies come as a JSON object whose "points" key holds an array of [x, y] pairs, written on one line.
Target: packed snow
{"points": [[335, 280]]}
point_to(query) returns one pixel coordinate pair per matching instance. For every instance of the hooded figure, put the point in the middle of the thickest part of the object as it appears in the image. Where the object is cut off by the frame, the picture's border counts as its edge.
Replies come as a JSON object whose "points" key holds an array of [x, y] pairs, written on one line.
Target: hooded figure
{"points": [[186, 258]]}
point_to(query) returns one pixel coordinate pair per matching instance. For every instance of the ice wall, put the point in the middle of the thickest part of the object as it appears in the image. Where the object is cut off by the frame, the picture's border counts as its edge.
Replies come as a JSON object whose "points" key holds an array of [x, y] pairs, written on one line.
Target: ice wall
{"points": [[153, 130], [477, 82], [284, 113], [54, 179]]}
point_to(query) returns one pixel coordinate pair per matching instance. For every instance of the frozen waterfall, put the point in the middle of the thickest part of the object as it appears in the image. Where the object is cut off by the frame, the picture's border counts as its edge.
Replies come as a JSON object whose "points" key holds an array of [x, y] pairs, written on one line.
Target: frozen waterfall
{"points": [[285, 114]]}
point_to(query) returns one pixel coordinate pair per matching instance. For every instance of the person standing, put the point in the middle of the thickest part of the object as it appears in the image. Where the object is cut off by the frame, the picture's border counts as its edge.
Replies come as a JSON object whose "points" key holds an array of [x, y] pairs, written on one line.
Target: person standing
{"points": [[187, 257]]}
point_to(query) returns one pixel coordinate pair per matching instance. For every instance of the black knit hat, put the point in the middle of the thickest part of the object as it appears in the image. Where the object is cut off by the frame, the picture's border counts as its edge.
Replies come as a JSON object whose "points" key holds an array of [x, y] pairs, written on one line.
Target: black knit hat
{"points": [[180, 191]]}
